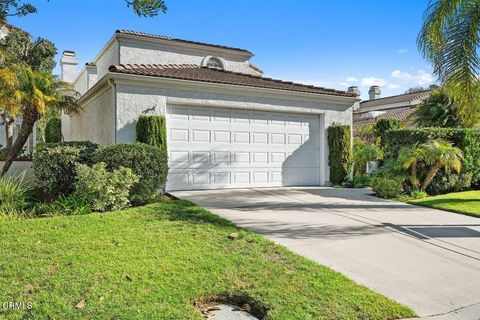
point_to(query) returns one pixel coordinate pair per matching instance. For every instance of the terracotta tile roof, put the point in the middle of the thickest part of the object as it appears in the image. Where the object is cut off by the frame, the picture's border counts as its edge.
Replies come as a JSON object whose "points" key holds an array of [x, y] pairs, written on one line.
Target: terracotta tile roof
{"points": [[402, 98], [205, 74], [369, 117], [156, 36]]}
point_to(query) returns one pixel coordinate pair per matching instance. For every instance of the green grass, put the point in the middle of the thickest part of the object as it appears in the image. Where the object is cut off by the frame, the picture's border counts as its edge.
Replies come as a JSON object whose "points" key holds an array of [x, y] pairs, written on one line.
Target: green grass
{"points": [[153, 262], [467, 202]]}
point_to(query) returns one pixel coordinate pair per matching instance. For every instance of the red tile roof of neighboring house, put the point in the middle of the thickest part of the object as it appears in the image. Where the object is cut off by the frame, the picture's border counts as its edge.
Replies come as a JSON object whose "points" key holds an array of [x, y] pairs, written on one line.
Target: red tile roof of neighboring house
{"points": [[401, 98], [156, 36], [367, 117], [205, 74]]}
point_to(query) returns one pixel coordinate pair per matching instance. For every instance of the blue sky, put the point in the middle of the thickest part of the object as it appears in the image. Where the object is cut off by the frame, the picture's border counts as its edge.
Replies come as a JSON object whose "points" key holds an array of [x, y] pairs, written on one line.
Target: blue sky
{"points": [[327, 43]]}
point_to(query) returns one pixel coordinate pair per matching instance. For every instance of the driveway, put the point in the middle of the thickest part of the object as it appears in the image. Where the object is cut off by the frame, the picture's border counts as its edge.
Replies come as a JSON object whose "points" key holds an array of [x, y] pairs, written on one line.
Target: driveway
{"points": [[426, 259]]}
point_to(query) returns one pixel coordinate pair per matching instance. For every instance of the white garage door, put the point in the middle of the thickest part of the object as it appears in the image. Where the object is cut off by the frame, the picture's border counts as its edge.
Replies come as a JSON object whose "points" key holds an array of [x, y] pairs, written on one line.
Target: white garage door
{"points": [[226, 148]]}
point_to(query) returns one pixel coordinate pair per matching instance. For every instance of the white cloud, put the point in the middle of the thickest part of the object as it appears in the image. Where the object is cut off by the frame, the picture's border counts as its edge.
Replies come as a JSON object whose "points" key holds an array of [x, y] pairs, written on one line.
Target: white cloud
{"points": [[421, 78], [372, 81], [393, 86], [351, 79], [402, 51]]}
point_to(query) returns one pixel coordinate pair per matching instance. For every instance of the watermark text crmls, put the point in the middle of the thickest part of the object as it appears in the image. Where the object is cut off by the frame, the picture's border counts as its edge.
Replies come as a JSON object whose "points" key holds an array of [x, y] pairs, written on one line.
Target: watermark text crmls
{"points": [[14, 305]]}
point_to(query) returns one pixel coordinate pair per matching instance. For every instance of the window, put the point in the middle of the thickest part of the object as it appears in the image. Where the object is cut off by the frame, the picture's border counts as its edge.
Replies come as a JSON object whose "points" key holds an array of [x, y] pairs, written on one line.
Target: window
{"points": [[214, 63]]}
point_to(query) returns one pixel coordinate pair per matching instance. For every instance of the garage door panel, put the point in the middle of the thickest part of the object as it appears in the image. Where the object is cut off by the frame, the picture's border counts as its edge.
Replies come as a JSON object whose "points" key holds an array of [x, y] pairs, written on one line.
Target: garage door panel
{"points": [[226, 148]]}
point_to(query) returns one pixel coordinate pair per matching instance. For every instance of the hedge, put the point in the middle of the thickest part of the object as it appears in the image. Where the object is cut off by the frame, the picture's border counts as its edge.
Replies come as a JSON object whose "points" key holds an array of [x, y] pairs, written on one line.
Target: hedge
{"points": [[340, 153], [53, 131], [383, 126], [148, 162], [468, 140], [152, 130]]}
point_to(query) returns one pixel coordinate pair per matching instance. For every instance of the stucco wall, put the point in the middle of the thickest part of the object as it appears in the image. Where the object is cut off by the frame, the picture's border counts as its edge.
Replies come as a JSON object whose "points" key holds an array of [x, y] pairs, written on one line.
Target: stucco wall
{"points": [[20, 168], [80, 85], [137, 53], [95, 121], [106, 60], [2, 136]]}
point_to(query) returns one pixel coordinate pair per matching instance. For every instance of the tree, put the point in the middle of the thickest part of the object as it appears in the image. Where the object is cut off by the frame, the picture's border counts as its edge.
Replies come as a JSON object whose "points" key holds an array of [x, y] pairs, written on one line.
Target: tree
{"points": [[37, 53], [38, 91], [438, 110], [438, 155], [449, 38], [142, 8], [362, 154], [415, 90], [409, 157]]}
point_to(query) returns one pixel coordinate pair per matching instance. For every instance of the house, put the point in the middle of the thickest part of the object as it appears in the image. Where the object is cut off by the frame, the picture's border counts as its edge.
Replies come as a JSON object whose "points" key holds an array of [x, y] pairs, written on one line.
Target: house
{"points": [[398, 107], [227, 125]]}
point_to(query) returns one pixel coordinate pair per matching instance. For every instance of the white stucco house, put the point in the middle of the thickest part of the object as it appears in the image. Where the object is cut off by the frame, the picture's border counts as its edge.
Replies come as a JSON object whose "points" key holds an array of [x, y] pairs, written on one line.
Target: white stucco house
{"points": [[227, 125]]}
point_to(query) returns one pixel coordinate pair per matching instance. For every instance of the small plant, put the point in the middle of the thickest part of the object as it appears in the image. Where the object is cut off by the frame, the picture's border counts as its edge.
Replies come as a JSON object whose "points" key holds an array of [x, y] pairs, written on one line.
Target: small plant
{"points": [[14, 193], [63, 206], [387, 187], [418, 194], [362, 181], [103, 190]]}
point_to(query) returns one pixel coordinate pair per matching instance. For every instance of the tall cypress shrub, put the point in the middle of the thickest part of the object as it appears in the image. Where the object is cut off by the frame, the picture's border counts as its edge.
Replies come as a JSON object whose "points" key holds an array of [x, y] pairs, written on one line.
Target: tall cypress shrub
{"points": [[152, 130], [340, 153], [53, 131]]}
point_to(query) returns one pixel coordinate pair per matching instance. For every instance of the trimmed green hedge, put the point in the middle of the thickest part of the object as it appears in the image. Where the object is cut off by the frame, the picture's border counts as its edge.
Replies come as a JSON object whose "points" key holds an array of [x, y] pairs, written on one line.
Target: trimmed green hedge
{"points": [[383, 126], [152, 130], [53, 131], [468, 140], [340, 153]]}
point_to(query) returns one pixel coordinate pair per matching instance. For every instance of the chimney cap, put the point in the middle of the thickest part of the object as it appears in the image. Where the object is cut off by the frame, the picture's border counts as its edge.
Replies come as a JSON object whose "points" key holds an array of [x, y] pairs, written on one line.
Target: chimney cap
{"points": [[68, 53]]}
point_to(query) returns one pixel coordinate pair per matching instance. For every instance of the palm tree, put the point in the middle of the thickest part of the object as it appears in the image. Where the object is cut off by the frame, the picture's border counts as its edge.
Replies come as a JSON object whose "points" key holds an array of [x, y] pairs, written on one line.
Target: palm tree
{"points": [[30, 94], [362, 154], [438, 155], [436, 111], [449, 38], [409, 157]]}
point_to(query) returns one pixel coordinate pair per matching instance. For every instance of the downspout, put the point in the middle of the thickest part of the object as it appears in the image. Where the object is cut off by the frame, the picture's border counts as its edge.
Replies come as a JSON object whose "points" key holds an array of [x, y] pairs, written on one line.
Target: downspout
{"points": [[114, 92]]}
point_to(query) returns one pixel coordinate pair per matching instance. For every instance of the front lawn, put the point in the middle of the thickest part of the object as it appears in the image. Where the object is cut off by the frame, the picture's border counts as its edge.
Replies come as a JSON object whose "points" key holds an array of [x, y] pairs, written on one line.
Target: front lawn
{"points": [[154, 262], [467, 202]]}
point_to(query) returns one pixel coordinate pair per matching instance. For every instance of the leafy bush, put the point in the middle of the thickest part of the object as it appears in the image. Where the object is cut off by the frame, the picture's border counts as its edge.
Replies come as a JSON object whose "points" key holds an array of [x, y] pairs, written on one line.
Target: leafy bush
{"points": [[63, 206], [362, 181], [14, 193], [53, 131], [103, 190], [362, 154], [387, 187], [340, 153], [443, 183], [23, 155], [418, 194], [468, 140], [383, 126], [148, 162], [54, 165], [152, 130]]}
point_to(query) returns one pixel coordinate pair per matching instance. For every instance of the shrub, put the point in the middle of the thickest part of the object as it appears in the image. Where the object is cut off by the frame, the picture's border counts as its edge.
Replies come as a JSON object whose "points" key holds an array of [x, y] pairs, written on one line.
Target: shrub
{"points": [[340, 153], [468, 140], [362, 154], [383, 126], [148, 162], [63, 206], [14, 193], [443, 183], [387, 187], [362, 181], [103, 190], [54, 165], [53, 131], [152, 130], [418, 194]]}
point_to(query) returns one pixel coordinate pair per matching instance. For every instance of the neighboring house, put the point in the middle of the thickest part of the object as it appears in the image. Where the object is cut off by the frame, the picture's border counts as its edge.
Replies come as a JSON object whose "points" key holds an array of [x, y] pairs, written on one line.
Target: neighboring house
{"points": [[28, 148], [395, 107], [227, 126]]}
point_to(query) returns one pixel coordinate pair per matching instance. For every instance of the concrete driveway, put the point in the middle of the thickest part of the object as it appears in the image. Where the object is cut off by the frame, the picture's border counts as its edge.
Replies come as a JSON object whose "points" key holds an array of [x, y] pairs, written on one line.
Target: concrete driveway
{"points": [[426, 259]]}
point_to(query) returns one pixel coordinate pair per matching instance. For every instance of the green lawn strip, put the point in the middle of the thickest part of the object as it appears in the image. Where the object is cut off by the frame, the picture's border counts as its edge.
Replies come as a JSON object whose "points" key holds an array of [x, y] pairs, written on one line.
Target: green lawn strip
{"points": [[153, 262], [467, 202]]}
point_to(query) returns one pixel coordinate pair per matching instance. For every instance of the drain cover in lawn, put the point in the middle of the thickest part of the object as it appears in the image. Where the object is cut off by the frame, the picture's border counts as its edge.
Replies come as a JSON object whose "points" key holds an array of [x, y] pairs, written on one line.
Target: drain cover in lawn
{"points": [[228, 312]]}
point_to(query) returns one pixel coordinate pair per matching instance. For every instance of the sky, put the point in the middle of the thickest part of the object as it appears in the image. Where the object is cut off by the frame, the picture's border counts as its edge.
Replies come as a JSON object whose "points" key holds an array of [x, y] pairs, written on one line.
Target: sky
{"points": [[332, 44]]}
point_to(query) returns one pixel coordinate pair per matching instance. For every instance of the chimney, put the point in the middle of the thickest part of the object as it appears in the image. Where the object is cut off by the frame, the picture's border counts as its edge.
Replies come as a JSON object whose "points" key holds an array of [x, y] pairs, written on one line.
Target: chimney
{"points": [[68, 65], [374, 92], [354, 89]]}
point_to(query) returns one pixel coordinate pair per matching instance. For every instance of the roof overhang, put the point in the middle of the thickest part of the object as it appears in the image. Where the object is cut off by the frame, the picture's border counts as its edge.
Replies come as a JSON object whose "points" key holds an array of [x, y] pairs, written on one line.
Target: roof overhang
{"points": [[339, 102]]}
